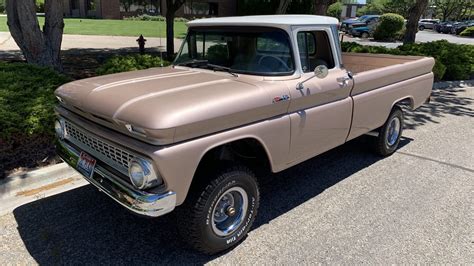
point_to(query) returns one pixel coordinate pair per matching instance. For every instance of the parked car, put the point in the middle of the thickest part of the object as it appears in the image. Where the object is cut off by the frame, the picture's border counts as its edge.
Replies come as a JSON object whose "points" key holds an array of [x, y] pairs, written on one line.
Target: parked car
{"points": [[243, 97], [458, 28], [364, 20], [363, 31], [427, 24], [445, 27]]}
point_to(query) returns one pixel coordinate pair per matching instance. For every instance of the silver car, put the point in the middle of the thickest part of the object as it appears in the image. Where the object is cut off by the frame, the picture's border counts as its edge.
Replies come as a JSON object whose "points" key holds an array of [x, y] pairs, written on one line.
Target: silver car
{"points": [[427, 24]]}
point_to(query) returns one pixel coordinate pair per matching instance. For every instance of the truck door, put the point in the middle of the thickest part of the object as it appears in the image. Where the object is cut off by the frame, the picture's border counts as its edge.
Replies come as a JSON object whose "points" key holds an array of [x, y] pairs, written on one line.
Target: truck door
{"points": [[320, 110]]}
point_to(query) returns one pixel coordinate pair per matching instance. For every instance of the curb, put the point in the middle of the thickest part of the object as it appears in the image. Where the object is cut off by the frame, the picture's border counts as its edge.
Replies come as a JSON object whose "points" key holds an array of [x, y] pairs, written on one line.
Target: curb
{"points": [[22, 188], [453, 84]]}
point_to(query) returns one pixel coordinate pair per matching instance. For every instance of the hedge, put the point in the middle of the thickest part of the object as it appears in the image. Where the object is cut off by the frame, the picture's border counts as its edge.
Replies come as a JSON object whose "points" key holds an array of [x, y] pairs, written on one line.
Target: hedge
{"points": [[130, 63], [453, 61], [468, 32], [388, 27]]}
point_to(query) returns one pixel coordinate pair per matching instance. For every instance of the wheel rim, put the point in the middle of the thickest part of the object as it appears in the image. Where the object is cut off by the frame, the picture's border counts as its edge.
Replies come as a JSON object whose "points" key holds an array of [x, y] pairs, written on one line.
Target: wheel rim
{"points": [[393, 131], [229, 211]]}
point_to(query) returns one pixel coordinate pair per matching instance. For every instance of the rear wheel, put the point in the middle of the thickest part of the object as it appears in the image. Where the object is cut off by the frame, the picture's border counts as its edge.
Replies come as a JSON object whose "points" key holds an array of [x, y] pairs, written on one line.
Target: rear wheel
{"points": [[422, 28], [218, 215], [390, 133]]}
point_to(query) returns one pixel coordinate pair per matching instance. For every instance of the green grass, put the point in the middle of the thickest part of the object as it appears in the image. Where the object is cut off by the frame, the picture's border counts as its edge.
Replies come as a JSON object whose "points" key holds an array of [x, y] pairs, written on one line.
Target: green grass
{"points": [[113, 27]]}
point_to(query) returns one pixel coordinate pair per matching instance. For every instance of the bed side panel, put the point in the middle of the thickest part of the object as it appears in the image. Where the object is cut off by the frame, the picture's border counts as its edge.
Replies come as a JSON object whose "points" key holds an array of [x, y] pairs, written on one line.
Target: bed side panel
{"points": [[372, 108]]}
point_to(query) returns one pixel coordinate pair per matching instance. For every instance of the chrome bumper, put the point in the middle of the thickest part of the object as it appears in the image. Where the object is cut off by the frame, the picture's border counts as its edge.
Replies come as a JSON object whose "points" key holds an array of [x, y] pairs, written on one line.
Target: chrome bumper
{"points": [[140, 202]]}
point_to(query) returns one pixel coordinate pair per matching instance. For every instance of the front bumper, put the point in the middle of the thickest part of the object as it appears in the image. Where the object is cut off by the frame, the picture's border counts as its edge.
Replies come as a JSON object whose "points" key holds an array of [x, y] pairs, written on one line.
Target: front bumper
{"points": [[139, 202]]}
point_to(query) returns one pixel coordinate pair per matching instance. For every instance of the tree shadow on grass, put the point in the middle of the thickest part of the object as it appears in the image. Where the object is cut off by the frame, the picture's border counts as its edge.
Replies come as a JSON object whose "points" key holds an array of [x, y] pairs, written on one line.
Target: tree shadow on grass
{"points": [[444, 101], [84, 226]]}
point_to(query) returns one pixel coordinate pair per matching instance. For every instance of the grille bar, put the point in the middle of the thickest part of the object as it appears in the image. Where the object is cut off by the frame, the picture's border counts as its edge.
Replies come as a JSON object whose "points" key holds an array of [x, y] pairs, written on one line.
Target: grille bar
{"points": [[112, 155]]}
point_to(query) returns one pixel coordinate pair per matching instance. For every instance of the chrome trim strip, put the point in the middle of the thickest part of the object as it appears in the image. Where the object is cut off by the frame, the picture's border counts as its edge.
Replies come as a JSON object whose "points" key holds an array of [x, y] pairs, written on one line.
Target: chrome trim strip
{"points": [[139, 202]]}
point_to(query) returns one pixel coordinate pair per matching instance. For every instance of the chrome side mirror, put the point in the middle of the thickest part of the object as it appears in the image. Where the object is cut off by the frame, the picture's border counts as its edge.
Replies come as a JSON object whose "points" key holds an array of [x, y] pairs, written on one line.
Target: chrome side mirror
{"points": [[320, 72]]}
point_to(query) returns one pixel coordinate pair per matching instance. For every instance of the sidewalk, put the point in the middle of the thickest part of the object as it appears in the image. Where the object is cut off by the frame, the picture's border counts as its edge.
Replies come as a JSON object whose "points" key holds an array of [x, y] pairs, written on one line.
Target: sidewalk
{"points": [[7, 44]]}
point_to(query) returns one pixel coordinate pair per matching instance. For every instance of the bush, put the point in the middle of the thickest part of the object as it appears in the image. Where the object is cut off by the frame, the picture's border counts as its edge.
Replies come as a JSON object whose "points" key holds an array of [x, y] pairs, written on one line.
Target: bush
{"points": [[130, 63], [453, 61], [2, 6], [335, 10], [469, 32], [389, 26], [153, 18], [27, 99]]}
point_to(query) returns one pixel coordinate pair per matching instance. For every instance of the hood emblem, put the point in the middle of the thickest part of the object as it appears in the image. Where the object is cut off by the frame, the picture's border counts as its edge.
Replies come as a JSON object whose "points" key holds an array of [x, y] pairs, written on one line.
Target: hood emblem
{"points": [[281, 98]]}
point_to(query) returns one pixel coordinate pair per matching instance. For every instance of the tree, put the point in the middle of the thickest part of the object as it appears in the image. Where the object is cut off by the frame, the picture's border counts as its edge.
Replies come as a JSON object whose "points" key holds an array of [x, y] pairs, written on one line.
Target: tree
{"points": [[171, 7], [40, 47], [335, 10], [453, 9], [126, 4], [321, 6], [373, 7], [415, 12], [282, 6], [401, 7]]}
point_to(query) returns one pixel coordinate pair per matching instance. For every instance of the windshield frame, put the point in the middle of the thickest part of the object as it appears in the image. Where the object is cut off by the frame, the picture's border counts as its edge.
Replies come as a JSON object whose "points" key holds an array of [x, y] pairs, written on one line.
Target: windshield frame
{"points": [[220, 28]]}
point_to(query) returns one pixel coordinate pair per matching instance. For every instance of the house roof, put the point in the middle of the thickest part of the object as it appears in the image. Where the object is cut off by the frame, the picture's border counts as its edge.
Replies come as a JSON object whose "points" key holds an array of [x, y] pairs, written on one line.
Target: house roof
{"points": [[267, 20]]}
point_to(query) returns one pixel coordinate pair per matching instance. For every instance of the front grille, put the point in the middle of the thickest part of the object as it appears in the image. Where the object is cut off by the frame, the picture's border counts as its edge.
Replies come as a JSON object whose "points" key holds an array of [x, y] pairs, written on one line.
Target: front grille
{"points": [[111, 154]]}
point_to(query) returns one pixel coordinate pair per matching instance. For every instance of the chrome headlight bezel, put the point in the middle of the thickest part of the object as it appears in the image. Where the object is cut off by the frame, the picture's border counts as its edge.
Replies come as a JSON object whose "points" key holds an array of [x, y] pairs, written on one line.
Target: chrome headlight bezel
{"points": [[60, 128], [142, 174]]}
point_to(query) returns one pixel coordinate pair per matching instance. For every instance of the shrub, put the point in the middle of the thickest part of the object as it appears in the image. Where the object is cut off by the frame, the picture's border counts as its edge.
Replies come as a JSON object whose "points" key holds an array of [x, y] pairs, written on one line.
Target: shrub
{"points": [[335, 10], [27, 99], [130, 63], [453, 61], [389, 26], [469, 32], [153, 18]]}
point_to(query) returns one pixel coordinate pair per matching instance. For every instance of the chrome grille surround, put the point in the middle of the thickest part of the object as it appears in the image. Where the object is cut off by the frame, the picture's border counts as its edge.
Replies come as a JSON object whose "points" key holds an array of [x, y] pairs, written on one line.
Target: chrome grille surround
{"points": [[109, 153]]}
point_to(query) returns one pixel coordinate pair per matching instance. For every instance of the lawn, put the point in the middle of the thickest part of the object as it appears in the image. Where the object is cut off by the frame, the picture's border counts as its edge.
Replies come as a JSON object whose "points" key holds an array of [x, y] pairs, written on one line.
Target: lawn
{"points": [[113, 27]]}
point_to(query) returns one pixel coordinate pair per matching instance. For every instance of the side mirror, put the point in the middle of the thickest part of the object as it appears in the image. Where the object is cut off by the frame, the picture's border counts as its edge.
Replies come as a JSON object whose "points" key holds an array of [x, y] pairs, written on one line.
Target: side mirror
{"points": [[320, 72]]}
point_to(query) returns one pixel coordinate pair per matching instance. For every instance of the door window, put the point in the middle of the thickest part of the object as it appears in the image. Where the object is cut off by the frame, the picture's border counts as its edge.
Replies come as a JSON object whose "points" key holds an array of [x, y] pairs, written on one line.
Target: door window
{"points": [[315, 49]]}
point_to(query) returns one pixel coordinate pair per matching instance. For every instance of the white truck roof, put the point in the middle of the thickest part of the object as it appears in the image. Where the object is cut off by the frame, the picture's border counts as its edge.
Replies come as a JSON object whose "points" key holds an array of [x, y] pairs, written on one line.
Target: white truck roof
{"points": [[281, 21]]}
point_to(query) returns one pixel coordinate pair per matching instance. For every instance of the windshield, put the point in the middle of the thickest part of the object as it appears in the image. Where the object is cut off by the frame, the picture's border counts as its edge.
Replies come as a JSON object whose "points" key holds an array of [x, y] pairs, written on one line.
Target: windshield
{"points": [[248, 50]]}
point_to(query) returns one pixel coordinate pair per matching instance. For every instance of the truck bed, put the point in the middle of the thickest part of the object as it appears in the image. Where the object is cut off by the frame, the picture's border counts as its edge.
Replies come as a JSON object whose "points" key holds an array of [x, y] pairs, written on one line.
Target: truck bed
{"points": [[380, 81]]}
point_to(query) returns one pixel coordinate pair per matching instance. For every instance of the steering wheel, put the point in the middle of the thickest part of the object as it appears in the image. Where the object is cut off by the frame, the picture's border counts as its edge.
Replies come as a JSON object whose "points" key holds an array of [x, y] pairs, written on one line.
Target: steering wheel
{"points": [[275, 58]]}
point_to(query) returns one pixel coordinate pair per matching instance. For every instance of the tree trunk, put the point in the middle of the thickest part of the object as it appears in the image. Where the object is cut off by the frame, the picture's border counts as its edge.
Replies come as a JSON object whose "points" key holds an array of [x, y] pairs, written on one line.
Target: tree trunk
{"points": [[170, 34], [283, 6], [321, 6], [171, 7], [414, 16], [41, 48]]}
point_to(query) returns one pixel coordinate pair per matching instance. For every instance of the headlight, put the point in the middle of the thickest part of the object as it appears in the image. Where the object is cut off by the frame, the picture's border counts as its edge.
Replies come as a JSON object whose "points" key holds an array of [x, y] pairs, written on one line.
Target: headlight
{"points": [[142, 175], [59, 128]]}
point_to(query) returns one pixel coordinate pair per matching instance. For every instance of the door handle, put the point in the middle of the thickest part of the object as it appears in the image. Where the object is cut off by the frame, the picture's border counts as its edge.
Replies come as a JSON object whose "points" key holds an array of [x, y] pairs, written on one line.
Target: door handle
{"points": [[343, 81]]}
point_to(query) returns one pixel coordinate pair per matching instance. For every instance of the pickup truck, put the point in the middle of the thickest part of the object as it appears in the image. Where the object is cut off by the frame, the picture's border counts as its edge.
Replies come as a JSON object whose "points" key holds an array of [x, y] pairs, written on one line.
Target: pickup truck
{"points": [[245, 97]]}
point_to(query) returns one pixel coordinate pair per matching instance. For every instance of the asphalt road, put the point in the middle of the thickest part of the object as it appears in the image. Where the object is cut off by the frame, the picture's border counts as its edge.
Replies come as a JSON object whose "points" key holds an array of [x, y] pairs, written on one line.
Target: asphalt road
{"points": [[344, 207]]}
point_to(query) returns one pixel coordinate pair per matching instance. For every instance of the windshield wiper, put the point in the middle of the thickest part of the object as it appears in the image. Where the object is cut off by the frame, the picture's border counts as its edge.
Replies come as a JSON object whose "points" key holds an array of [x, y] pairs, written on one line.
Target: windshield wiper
{"points": [[205, 63], [217, 68]]}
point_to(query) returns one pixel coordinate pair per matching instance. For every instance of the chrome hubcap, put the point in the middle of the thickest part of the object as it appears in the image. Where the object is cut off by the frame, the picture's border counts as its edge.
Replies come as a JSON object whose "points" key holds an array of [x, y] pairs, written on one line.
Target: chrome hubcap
{"points": [[229, 211], [393, 131]]}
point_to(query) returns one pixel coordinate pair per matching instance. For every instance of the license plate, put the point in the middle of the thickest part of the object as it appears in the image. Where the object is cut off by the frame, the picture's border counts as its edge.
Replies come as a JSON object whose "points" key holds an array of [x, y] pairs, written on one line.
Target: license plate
{"points": [[86, 164]]}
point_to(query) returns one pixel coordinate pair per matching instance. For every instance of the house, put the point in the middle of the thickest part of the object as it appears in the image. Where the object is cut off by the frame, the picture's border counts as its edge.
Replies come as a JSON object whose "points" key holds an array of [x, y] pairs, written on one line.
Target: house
{"points": [[113, 9], [349, 8]]}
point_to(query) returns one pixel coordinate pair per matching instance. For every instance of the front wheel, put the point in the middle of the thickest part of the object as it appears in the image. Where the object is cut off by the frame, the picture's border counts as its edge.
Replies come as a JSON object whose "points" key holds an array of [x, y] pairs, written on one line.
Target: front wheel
{"points": [[390, 133], [218, 216], [365, 35]]}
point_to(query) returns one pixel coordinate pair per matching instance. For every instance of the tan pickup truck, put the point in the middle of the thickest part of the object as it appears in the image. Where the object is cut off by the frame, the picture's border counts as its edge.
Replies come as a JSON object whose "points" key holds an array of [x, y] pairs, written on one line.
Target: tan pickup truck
{"points": [[246, 96]]}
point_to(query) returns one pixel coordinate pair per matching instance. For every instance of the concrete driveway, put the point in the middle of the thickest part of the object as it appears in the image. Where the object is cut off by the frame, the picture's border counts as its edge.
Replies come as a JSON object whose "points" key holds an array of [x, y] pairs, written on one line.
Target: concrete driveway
{"points": [[344, 207]]}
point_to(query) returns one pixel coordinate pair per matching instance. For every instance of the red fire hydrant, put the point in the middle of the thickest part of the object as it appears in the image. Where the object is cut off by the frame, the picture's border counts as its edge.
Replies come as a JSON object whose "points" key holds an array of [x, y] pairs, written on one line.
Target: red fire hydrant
{"points": [[141, 44]]}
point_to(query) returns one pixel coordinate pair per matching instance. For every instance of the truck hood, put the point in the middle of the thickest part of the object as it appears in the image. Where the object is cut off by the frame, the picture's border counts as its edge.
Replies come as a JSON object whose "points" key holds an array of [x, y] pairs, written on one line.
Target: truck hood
{"points": [[166, 105]]}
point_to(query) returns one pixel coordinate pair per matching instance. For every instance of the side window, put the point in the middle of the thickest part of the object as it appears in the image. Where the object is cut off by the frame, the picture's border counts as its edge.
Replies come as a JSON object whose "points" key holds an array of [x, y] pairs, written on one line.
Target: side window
{"points": [[315, 49]]}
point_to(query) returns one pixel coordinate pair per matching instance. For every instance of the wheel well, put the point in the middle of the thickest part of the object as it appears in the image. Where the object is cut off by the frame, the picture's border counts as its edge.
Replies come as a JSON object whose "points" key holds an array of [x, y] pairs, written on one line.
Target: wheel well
{"points": [[406, 102], [249, 152]]}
